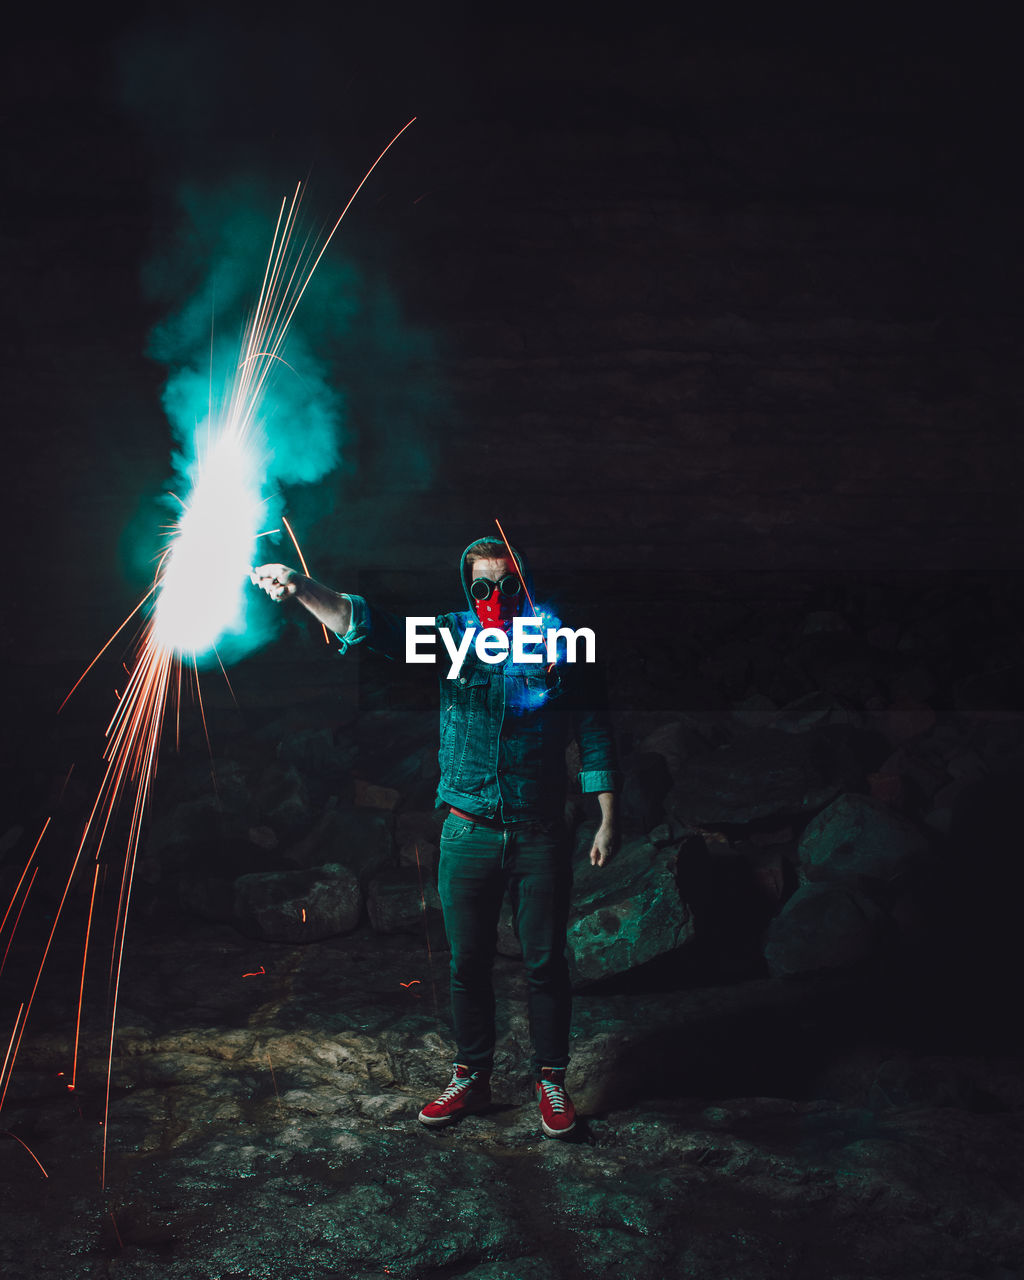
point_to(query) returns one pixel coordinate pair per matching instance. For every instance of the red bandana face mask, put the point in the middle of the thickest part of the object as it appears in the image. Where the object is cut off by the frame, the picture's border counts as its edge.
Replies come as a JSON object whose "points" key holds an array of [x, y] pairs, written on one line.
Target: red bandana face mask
{"points": [[501, 605]]}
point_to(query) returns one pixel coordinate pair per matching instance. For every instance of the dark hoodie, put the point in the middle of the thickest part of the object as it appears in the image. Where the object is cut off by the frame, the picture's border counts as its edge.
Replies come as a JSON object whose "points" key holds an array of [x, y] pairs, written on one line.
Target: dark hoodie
{"points": [[524, 570]]}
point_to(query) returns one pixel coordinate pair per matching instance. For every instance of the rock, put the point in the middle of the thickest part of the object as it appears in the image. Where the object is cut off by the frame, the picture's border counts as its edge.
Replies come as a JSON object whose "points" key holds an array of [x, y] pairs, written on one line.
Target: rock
{"points": [[904, 719], [858, 837], [728, 666], [369, 796], [966, 766], [755, 712], [676, 742], [667, 833], [921, 770], [206, 882], [298, 906], [646, 783], [314, 752], [420, 824], [419, 853], [887, 789], [415, 774], [816, 708], [625, 913], [175, 831], [403, 901], [525, 1268], [768, 773], [418, 836], [822, 926], [264, 837], [360, 839], [285, 796]]}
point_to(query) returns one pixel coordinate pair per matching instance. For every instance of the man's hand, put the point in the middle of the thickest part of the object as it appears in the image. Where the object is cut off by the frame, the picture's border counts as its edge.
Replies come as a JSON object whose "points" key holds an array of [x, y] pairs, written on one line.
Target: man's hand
{"points": [[282, 583], [606, 838], [277, 580], [606, 842]]}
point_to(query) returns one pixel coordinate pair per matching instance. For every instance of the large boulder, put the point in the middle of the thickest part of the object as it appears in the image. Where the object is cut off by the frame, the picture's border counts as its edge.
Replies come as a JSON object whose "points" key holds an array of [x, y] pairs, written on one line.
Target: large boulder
{"points": [[823, 926], [404, 900], [206, 879], [626, 912], [676, 742], [768, 773], [178, 829], [858, 837], [298, 906]]}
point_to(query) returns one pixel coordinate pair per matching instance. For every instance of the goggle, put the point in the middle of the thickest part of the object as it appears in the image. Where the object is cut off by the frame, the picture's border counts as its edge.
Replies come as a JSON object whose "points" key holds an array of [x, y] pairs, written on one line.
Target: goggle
{"points": [[484, 588]]}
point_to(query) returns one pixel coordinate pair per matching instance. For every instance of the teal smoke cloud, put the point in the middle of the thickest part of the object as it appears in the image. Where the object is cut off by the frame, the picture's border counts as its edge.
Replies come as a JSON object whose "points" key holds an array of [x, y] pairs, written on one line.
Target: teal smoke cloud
{"points": [[347, 329]]}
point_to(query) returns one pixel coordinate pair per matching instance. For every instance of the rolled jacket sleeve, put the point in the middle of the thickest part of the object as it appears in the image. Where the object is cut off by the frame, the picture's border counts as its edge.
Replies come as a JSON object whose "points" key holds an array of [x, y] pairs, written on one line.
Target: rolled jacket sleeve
{"points": [[375, 628], [599, 762]]}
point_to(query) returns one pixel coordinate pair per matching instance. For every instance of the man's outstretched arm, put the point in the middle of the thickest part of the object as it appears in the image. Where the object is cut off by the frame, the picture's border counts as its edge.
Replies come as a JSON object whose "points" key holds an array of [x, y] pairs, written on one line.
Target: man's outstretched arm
{"points": [[327, 606]]}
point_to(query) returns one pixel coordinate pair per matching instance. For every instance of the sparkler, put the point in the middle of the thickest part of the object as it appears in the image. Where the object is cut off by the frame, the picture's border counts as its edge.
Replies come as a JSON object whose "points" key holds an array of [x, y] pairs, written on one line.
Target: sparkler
{"points": [[196, 598]]}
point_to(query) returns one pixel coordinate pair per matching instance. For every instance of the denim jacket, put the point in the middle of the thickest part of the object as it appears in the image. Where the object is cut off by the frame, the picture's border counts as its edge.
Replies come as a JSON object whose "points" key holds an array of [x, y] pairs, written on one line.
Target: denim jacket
{"points": [[505, 727]]}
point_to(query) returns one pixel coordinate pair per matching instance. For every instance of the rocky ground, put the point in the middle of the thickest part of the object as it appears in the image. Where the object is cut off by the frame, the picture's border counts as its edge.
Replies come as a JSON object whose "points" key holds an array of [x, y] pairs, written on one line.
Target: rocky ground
{"points": [[796, 1050], [265, 1126]]}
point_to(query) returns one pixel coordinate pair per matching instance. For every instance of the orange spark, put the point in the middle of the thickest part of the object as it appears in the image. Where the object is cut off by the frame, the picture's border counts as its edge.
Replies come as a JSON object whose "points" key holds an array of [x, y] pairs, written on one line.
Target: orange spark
{"points": [[64, 786], [426, 927], [17, 918], [515, 565], [302, 561], [257, 974], [7, 1058], [81, 988], [25, 872], [105, 648], [519, 574], [28, 1149], [154, 671]]}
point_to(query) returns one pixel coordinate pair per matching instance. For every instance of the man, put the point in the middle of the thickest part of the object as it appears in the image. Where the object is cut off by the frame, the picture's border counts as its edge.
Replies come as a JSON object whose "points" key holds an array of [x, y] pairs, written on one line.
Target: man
{"points": [[504, 730]]}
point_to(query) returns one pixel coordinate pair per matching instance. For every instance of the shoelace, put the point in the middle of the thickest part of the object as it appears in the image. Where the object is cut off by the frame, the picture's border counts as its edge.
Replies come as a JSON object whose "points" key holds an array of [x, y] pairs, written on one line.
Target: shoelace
{"points": [[458, 1083], [555, 1094]]}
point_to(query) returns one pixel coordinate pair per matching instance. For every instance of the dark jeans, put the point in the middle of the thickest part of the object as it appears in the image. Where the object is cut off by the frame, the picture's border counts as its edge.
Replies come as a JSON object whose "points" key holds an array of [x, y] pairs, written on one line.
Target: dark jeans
{"points": [[477, 864]]}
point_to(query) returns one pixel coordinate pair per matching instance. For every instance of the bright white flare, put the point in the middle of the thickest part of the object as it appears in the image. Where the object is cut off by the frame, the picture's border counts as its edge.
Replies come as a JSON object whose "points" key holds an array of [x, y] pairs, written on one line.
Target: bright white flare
{"points": [[201, 594]]}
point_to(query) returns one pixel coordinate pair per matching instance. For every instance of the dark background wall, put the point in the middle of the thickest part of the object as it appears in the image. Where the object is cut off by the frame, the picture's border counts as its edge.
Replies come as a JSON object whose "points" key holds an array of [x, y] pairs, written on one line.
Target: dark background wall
{"points": [[717, 304]]}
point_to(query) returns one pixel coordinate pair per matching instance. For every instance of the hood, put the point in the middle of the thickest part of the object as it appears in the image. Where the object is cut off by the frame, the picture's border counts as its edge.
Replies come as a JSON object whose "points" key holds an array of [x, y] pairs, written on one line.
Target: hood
{"points": [[464, 569]]}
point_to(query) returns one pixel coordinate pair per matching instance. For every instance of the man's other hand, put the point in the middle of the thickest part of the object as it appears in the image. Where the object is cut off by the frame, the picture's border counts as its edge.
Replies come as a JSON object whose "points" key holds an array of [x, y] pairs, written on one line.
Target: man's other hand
{"points": [[606, 842], [275, 579]]}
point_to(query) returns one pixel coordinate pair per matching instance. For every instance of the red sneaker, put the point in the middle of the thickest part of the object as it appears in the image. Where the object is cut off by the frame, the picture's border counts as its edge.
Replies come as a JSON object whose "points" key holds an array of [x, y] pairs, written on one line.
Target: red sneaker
{"points": [[557, 1114], [467, 1092]]}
